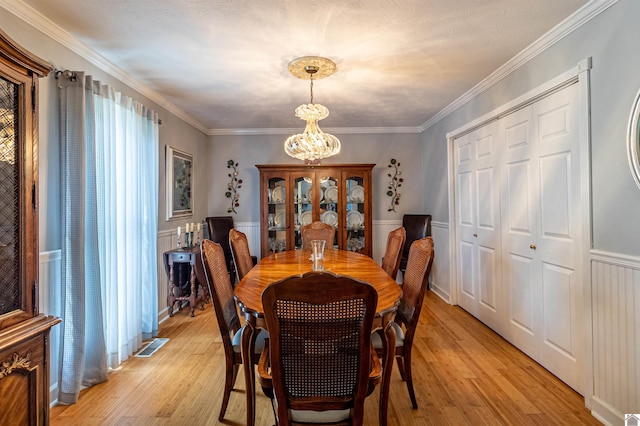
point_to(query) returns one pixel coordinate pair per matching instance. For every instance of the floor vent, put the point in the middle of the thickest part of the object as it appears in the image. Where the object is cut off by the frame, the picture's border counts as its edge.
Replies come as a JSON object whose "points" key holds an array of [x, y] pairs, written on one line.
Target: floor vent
{"points": [[152, 347]]}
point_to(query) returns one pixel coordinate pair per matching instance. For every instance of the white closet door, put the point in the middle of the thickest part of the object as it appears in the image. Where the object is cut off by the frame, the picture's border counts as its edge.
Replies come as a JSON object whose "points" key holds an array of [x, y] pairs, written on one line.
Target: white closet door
{"points": [[559, 241], [478, 205], [519, 231], [520, 225]]}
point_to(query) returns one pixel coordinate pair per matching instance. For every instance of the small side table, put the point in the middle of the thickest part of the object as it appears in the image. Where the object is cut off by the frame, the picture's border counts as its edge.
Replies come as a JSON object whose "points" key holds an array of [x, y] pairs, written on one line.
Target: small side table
{"points": [[198, 292]]}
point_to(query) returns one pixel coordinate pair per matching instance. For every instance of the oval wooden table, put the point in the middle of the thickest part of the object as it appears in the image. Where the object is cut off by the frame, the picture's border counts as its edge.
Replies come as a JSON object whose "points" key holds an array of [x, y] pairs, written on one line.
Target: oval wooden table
{"points": [[275, 267]]}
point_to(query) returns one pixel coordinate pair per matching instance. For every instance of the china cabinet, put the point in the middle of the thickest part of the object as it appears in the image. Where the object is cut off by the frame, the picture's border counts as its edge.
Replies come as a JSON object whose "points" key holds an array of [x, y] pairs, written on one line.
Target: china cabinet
{"points": [[292, 196], [24, 332]]}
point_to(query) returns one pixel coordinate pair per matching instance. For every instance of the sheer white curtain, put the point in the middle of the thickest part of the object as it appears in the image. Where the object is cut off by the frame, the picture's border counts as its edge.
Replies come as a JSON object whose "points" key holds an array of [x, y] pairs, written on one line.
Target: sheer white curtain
{"points": [[109, 165]]}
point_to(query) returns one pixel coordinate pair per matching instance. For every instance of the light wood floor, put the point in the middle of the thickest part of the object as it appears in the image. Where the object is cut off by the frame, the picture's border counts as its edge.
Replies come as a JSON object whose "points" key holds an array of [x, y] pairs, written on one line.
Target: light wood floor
{"points": [[464, 374]]}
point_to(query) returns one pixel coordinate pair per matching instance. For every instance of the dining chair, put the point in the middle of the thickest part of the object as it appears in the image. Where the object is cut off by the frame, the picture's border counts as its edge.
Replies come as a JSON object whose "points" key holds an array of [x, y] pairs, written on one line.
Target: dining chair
{"points": [[317, 231], [319, 366], [417, 226], [406, 321], [240, 253], [219, 227], [393, 251], [221, 291]]}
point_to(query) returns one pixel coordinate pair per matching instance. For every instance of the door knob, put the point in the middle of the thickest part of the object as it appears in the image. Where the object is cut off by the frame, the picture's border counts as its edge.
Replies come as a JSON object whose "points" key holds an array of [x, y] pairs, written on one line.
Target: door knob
{"points": [[475, 235], [532, 247]]}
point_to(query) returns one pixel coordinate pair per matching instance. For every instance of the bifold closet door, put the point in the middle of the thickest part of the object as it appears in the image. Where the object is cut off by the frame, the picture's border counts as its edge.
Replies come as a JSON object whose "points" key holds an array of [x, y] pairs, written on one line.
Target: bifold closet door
{"points": [[519, 231], [478, 225], [542, 234]]}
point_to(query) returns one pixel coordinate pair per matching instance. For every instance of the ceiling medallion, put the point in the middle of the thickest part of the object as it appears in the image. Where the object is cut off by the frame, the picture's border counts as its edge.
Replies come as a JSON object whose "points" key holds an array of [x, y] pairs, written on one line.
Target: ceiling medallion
{"points": [[312, 144]]}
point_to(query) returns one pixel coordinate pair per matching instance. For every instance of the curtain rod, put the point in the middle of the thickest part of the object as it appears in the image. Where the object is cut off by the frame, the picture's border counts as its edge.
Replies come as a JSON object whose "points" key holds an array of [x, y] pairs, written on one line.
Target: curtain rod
{"points": [[69, 75]]}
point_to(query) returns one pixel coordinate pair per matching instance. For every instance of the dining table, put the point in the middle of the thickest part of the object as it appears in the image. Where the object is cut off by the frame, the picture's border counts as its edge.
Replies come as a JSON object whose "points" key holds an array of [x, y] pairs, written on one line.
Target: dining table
{"points": [[280, 265]]}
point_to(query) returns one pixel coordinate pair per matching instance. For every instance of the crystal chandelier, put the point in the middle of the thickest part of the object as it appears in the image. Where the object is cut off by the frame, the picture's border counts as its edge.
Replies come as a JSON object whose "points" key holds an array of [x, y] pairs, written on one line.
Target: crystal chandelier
{"points": [[312, 144]]}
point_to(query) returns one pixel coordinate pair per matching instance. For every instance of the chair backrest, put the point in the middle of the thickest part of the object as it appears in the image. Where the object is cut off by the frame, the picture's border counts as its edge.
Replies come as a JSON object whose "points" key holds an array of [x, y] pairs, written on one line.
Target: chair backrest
{"points": [[319, 326], [317, 231], [417, 226], [240, 252], [393, 251], [221, 291], [219, 227], [414, 285]]}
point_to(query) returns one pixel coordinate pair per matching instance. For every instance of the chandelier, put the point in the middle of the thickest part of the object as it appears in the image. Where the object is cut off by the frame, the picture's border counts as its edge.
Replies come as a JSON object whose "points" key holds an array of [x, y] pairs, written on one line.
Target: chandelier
{"points": [[312, 144]]}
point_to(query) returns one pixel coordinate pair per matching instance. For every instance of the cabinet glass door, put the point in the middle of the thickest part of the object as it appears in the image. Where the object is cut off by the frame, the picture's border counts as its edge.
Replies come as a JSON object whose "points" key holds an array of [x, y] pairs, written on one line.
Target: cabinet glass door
{"points": [[356, 212], [329, 195], [303, 211], [9, 201], [277, 214]]}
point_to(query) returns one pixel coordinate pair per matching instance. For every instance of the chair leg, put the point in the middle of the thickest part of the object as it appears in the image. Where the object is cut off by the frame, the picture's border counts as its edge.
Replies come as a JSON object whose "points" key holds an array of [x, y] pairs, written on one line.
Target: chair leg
{"points": [[409, 378], [400, 362], [273, 408], [231, 372], [236, 368]]}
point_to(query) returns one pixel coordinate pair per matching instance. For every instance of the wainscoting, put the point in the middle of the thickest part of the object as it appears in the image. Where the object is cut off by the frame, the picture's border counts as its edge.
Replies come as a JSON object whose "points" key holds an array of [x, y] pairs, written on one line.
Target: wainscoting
{"points": [[615, 302], [49, 290]]}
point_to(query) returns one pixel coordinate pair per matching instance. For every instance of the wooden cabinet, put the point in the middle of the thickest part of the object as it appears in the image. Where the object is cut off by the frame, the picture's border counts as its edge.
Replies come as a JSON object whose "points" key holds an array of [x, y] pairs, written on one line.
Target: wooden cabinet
{"points": [[292, 196], [24, 332]]}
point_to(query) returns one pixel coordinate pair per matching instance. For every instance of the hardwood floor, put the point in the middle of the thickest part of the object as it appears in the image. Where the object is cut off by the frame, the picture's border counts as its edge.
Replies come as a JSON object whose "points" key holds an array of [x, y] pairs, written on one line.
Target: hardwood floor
{"points": [[464, 373]]}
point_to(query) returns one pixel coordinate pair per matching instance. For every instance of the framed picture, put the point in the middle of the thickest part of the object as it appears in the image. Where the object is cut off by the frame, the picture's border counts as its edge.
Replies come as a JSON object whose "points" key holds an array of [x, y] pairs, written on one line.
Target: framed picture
{"points": [[179, 172]]}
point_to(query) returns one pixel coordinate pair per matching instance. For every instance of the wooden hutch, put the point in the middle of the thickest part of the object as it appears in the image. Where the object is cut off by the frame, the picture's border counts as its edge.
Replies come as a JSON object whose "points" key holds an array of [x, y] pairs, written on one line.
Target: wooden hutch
{"points": [[292, 196]]}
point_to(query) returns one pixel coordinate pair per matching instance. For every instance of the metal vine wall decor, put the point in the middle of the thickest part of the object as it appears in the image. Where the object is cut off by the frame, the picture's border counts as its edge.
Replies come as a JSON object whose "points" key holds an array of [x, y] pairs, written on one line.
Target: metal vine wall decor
{"points": [[394, 184], [232, 188]]}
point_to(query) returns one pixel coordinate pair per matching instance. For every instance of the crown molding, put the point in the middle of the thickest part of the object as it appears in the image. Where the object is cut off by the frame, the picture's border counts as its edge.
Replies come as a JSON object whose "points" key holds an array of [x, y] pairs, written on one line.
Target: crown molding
{"points": [[564, 28], [338, 130], [57, 33]]}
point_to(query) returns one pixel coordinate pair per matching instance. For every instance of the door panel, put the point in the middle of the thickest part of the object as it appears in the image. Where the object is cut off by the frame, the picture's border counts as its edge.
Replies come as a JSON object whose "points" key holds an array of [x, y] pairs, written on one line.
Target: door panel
{"points": [[520, 211], [557, 296], [466, 274], [478, 229], [555, 195], [487, 278], [466, 223], [559, 248], [518, 215], [465, 204], [485, 191], [522, 314]]}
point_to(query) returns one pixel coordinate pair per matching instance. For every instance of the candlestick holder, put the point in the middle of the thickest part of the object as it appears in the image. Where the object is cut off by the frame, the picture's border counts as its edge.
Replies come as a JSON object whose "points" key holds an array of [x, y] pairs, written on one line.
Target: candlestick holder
{"points": [[186, 240], [179, 244], [198, 241], [191, 239]]}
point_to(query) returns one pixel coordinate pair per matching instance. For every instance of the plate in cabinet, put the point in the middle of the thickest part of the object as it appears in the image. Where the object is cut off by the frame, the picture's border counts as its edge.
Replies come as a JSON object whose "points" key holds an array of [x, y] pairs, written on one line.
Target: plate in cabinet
{"points": [[331, 194], [278, 194], [330, 218], [357, 194], [354, 219], [280, 220], [306, 218]]}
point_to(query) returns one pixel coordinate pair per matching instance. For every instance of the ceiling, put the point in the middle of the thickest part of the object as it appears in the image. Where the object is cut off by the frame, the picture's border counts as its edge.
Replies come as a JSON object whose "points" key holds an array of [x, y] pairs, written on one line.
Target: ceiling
{"points": [[224, 62]]}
